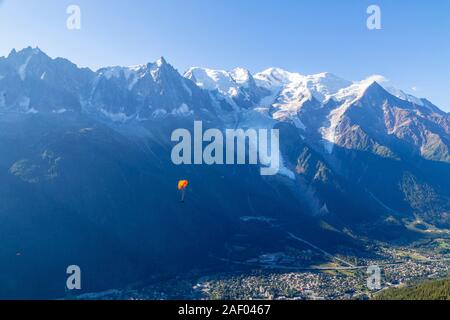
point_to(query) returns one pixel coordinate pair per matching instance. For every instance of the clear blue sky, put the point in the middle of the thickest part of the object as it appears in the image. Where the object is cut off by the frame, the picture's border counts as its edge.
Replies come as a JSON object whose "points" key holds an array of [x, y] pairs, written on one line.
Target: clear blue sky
{"points": [[412, 49]]}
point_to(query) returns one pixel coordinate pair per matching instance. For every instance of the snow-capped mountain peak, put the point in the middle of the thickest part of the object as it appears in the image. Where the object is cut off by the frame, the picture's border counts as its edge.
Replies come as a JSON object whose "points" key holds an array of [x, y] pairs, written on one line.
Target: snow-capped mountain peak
{"points": [[241, 76], [133, 74], [26, 52], [211, 80], [20, 60], [273, 78], [321, 105], [324, 85], [161, 61], [356, 89]]}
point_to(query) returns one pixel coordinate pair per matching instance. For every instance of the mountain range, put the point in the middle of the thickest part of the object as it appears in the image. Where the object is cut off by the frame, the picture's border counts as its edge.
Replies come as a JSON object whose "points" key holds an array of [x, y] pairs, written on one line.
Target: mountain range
{"points": [[86, 176]]}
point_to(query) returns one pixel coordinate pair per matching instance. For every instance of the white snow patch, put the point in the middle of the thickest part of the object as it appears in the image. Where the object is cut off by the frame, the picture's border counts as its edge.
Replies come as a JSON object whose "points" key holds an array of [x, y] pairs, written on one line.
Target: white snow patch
{"points": [[131, 74], [241, 76], [357, 89], [183, 110], [404, 96], [116, 117], [324, 85], [32, 111], [159, 113], [60, 111], [290, 91], [211, 80], [329, 134], [23, 68], [133, 82], [185, 86], [274, 78]]}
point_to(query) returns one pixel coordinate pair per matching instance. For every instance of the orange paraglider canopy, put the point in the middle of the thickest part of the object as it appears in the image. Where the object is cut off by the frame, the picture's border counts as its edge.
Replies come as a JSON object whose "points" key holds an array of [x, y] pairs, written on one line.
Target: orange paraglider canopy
{"points": [[182, 184]]}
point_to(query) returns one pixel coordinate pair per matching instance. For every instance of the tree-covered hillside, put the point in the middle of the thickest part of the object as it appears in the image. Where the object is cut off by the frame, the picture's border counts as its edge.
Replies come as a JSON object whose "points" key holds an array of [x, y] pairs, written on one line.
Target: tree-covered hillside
{"points": [[430, 290]]}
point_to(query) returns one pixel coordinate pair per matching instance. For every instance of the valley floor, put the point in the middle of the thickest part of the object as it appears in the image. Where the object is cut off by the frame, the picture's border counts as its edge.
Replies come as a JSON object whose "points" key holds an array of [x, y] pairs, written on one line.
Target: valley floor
{"points": [[283, 276]]}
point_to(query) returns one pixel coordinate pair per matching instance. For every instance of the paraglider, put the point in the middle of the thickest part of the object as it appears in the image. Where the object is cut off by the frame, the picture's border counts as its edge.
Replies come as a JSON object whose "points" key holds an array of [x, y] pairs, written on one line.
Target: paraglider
{"points": [[182, 185]]}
